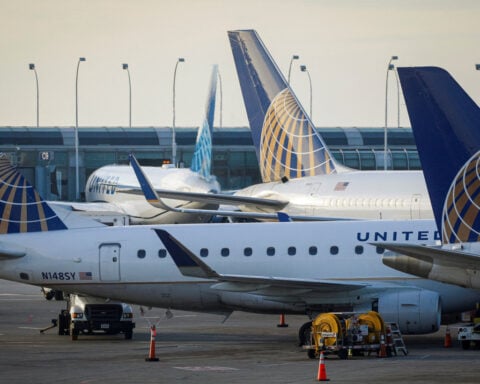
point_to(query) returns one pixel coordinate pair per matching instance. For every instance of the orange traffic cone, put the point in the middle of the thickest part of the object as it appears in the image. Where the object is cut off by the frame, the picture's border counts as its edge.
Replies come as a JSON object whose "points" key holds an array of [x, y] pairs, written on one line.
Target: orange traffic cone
{"points": [[322, 372], [448, 339], [383, 349], [282, 323], [151, 355]]}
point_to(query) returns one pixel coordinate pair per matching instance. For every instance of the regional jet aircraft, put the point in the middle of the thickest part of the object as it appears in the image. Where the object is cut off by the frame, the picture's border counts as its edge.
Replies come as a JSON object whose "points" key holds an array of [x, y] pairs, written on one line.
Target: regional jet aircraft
{"points": [[445, 120], [295, 163], [277, 267]]}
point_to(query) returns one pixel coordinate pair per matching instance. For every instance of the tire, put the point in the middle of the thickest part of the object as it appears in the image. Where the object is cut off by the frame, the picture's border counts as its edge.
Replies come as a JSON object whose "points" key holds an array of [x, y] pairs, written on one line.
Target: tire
{"points": [[465, 344], [73, 333], [343, 354], [312, 354], [128, 335], [63, 321], [304, 334]]}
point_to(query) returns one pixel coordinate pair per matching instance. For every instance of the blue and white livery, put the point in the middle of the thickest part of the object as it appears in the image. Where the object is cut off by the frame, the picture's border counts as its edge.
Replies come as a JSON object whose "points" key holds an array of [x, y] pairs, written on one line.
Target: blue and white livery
{"points": [[446, 125], [296, 165]]}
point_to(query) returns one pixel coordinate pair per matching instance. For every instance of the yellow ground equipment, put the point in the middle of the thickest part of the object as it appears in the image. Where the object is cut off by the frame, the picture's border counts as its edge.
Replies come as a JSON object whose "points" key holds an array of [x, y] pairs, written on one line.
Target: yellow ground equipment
{"points": [[347, 334]]}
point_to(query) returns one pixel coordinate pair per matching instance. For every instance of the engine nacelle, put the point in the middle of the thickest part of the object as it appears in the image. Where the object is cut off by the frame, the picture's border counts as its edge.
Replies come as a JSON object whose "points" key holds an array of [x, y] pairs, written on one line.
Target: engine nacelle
{"points": [[416, 311]]}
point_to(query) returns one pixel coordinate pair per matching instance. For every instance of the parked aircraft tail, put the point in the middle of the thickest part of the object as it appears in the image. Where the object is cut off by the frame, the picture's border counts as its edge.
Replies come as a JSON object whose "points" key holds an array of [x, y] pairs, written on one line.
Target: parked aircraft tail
{"points": [[285, 139], [21, 207], [446, 126], [202, 157]]}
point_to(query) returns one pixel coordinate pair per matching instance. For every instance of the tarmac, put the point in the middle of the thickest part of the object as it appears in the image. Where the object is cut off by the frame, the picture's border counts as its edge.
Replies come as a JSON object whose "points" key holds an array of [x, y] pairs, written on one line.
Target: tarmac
{"points": [[199, 348]]}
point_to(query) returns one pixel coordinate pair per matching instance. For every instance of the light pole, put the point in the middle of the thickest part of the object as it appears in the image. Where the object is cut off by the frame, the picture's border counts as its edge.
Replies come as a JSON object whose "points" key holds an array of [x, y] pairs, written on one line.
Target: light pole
{"points": [[125, 67], [174, 143], [32, 68], [77, 176], [221, 99], [303, 68], [294, 57], [389, 67]]}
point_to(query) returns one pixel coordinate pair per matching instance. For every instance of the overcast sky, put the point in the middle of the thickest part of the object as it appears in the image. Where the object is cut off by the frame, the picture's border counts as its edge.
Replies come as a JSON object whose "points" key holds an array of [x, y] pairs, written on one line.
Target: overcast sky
{"points": [[346, 45]]}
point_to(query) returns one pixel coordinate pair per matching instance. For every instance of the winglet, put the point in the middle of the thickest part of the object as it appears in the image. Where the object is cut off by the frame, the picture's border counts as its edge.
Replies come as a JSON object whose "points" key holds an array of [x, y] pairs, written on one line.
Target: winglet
{"points": [[186, 261], [21, 207], [285, 138], [284, 217], [446, 126], [145, 184]]}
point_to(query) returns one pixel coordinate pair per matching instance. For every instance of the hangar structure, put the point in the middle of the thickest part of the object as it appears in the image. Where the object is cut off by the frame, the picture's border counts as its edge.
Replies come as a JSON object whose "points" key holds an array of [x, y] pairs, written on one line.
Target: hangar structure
{"points": [[46, 155]]}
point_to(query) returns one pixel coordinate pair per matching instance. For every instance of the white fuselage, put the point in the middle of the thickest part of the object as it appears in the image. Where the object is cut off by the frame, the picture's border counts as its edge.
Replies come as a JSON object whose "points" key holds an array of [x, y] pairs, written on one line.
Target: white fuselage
{"points": [[130, 264], [114, 184], [397, 195]]}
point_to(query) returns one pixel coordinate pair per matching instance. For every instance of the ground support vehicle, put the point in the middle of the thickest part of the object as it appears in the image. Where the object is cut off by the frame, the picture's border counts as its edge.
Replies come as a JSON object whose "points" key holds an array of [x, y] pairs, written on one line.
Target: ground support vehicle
{"points": [[348, 334], [88, 315], [469, 335]]}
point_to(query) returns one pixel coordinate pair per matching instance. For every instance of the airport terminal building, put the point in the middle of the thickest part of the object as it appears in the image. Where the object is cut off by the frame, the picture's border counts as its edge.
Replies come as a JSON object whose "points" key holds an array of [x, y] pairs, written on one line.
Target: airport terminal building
{"points": [[47, 155]]}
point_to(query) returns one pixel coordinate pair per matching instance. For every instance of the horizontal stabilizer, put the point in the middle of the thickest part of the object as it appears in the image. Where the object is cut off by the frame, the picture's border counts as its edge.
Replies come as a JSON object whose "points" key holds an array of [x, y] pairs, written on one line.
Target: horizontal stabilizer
{"points": [[11, 251]]}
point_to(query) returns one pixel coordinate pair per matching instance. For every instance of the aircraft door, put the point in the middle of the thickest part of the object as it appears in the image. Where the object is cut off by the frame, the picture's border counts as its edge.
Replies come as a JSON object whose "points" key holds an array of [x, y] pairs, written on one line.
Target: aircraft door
{"points": [[415, 206], [109, 262]]}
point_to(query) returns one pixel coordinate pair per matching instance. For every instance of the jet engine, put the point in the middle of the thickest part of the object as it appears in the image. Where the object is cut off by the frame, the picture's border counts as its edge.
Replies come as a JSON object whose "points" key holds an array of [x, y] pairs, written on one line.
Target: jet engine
{"points": [[416, 311]]}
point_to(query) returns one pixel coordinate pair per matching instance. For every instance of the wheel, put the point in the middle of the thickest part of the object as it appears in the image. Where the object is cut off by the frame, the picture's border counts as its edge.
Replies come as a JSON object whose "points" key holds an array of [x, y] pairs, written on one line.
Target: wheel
{"points": [[63, 321], [73, 333], [343, 354], [59, 295], [466, 344], [312, 354], [128, 335], [304, 334]]}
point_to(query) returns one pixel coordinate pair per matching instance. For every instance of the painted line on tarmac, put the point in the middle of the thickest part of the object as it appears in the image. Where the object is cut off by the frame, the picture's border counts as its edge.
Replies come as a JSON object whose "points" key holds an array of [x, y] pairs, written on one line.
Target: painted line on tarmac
{"points": [[207, 369]]}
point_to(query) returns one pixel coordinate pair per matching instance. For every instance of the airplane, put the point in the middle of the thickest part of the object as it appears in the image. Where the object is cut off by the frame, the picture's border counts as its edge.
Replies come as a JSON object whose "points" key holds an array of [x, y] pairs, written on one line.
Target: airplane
{"points": [[270, 267], [445, 120], [296, 165], [113, 189]]}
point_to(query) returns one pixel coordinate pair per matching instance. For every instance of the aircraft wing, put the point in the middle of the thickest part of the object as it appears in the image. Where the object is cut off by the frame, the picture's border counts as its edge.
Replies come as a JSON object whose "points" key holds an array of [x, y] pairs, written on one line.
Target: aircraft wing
{"points": [[428, 256], [260, 204], [191, 265], [87, 207]]}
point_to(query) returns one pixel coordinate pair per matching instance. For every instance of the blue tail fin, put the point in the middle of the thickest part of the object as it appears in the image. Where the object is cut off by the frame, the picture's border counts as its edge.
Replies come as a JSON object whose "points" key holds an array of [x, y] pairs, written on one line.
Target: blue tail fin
{"points": [[285, 139], [446, 126], [202, 157], [21, 207]]}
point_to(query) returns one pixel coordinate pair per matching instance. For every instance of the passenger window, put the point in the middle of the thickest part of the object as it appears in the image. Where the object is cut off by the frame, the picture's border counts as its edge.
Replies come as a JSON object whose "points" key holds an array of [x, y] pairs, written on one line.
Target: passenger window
{"points": [[334, 250], [141, 253], [271, 251], [162, 253], [292, 251], [312, 250], [204, 252], [380, 250], [359, 249], [247, 251], [225, 252]]}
